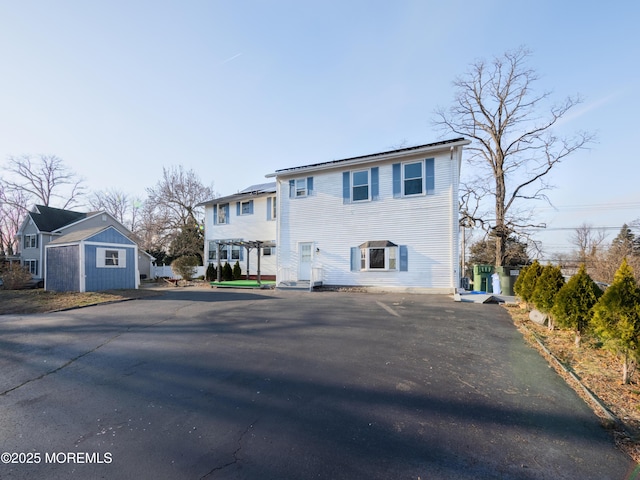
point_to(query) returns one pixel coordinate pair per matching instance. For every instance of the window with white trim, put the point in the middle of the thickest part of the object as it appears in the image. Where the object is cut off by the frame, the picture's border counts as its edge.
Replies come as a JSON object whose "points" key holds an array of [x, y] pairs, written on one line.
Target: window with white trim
{"points": [[222, 213], [111, 257], [32, 266], [378, 255], [360, 185], [31, 240], [412, 178]]}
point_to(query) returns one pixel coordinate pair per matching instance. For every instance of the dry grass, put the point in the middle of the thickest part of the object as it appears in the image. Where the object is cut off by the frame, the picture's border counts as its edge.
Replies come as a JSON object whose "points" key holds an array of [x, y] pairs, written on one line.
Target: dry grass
{"points": [[40, 301], [598, 370]]}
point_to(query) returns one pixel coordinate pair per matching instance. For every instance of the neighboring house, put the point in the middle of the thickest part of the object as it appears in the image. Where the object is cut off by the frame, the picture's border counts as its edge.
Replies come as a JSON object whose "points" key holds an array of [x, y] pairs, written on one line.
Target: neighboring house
{"points": [[245, 219], [44, 224], [96, 259], [384, 220]]}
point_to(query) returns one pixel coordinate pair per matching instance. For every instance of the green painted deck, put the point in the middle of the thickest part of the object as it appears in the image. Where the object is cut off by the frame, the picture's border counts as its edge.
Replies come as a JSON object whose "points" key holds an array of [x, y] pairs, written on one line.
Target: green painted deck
{"points": [[243, 284]]}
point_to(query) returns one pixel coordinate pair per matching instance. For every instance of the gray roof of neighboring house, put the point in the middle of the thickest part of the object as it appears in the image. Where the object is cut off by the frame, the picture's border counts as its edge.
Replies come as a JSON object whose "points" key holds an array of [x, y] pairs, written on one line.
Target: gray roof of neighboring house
{"points": [[252, 191], [49, 219], [373, 156]]}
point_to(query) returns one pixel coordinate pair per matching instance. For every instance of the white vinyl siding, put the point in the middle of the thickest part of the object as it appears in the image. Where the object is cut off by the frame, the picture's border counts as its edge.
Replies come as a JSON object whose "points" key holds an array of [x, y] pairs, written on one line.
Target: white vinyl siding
{"points": [[426, 224]]}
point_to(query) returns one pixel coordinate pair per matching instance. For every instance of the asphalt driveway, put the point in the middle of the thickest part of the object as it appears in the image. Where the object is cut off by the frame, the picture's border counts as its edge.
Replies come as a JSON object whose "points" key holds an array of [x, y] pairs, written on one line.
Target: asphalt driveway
{"points": [[289, 385]]}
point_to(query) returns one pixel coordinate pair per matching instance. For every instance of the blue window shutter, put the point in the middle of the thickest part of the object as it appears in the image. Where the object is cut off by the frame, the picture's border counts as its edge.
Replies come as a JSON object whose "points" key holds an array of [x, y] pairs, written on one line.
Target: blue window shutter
{"points": [[309, 185], [292, 188], [375, 184], [226, 211], [268, 208], [241, 254], [404, 258], [430, 176], [346, 187], [355, 259], [215, 214], [237, 209], [397, 181], [251, 207]]}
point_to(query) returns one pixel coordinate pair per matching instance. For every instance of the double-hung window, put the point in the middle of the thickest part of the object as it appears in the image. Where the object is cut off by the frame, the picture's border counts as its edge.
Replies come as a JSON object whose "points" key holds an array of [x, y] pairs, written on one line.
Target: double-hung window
{"points": [[221, 214], [32, 266], [31, 241], [360, 185], [300, 187], [414, 178]]}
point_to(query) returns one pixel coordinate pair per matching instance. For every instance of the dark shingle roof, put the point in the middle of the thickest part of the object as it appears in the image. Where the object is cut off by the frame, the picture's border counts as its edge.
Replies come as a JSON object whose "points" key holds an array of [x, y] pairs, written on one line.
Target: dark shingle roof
{"points": [[372, 156], [49, 219]]}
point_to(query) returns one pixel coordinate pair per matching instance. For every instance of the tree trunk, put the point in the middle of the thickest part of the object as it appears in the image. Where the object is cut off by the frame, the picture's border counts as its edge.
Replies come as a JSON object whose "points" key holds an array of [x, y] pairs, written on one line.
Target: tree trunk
{"points": [[625, 369], [577, 339]]}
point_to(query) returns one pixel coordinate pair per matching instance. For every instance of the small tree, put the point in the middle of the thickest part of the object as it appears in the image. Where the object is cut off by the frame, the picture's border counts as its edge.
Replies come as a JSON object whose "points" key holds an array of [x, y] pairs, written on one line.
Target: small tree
{"points": [[211, 274], [616, 319], [186, 266], [547, 287], [526, 283], [574, 301], [237, 271], [227, 272]]}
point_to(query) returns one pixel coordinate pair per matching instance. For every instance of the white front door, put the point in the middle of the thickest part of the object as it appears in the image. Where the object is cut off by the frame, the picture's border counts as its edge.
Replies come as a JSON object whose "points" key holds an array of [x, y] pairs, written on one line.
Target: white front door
{"points": [[304, 264]]}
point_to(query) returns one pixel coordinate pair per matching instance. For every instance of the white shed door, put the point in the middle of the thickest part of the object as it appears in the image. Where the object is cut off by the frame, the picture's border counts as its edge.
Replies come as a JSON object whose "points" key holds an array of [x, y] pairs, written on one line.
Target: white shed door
{"points": [[304, 264]]}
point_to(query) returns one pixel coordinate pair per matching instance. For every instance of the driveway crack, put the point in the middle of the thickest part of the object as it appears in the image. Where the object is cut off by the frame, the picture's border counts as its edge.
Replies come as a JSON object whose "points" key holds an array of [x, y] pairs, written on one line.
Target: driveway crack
{"points": [[236, 453]]}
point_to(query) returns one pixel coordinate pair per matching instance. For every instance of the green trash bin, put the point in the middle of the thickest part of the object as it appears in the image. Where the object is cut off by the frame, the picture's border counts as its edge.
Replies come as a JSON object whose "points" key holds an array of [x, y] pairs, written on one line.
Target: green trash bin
{"points": [[482, 278], [508, 277]]}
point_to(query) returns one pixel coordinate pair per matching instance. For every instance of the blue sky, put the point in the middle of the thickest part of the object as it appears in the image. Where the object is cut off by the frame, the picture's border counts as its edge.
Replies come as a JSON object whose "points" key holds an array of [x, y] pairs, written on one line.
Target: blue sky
{"points": [[236, 90]]}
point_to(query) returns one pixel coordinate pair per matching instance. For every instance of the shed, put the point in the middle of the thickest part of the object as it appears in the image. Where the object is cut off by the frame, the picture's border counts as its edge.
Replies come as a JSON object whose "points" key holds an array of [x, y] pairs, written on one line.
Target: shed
{"points": [[91, 260]]}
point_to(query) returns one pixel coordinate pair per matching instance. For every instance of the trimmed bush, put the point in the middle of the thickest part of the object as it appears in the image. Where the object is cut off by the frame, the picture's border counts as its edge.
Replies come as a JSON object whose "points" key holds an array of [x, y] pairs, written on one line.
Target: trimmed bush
{"points": [[237, 271], [573, 303], [227, 272], [616, 318], [211, 274], [185, 266], [547, 287], [526, 283]]}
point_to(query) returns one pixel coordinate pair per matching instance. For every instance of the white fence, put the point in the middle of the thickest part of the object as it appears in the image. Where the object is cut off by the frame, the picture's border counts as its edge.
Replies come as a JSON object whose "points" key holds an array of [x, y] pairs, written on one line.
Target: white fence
{"points": [[167, 271]]}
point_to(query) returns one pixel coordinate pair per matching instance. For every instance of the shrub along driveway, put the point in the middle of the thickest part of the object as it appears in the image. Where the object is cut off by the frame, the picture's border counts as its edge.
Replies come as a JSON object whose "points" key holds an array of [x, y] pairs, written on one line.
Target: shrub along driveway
{"points": [[200, 383]]}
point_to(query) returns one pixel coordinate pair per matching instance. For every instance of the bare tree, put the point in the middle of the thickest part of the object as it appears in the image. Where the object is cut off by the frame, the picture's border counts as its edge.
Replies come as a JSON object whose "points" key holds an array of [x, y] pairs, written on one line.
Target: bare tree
{"points": [[514, 149], [13, 210], [124, 207], [172, 206], [588, 242], [45, 178]]}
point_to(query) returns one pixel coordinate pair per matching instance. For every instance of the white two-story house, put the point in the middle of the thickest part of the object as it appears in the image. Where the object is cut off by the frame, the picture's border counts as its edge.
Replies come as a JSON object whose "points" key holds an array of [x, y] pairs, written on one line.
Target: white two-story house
{"points": [[242, 226], [385, 220]]}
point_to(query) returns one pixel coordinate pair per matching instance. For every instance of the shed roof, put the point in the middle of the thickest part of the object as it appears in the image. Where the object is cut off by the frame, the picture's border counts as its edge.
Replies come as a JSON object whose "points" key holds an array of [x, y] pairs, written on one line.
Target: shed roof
{"points": [[80, 235]]}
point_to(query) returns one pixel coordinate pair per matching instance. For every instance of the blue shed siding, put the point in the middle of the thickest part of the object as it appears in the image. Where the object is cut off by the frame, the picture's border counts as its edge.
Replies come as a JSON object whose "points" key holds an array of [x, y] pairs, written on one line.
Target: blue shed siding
{"points": [[63, 269], [110, 235], [97, 279]]}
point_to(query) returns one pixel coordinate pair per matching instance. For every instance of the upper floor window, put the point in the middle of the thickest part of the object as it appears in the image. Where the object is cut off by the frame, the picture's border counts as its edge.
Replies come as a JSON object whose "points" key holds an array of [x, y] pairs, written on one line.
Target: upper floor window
{"points": [[414, 178], [360, 185], [221, 214], [300, 187], [271, 208], [244, 208], [31, 241]]}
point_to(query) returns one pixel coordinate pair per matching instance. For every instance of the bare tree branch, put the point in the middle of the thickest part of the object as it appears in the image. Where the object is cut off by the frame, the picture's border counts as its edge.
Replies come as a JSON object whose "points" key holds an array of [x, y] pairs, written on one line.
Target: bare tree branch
{"points": [[513, 147]]}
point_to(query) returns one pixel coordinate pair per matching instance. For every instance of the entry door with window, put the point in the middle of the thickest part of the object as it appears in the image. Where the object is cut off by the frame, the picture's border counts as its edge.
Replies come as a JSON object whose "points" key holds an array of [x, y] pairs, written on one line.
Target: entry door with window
{"points": [[304, 264]]}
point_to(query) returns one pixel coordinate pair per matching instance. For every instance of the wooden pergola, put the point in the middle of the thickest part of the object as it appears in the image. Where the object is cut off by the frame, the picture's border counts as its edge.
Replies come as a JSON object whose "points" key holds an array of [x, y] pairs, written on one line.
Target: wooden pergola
{"points": [[249, 245]]}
